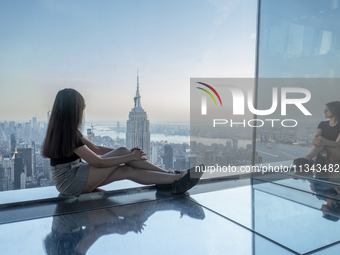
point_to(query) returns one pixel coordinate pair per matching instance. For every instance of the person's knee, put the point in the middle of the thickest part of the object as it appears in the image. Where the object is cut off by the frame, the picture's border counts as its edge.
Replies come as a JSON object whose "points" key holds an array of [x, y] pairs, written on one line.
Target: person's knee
{"points": [[123, 150]]}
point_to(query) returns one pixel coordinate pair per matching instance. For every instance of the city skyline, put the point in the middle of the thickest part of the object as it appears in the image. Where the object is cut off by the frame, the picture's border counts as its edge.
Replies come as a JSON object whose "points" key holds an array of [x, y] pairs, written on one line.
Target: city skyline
{"points": [[96, 49], [23, 166]]}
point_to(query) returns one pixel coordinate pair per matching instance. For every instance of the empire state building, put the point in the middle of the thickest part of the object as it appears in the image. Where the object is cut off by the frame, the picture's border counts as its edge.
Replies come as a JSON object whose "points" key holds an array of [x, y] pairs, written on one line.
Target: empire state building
{"points": [[138, 132]]}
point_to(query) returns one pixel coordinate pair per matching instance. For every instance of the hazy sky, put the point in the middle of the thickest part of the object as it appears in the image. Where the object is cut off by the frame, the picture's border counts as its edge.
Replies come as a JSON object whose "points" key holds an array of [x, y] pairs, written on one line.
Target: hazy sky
{"points": [[97, 46]]}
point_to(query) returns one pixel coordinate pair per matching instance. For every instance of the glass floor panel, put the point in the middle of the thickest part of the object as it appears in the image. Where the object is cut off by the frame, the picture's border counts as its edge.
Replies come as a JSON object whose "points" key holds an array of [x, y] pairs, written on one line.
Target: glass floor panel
{"points": [[309, 185], [169, 226], [299, 196], [51, 193], [232, 219], [329, 251], [295, 226]]}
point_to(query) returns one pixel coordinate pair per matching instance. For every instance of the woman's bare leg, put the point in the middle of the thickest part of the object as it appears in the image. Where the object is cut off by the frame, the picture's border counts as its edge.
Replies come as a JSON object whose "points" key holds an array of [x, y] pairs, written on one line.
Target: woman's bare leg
{"points": [[102, 176], [314, 151], [97, 176], [333, 154], [145, 177], [142, 164]]}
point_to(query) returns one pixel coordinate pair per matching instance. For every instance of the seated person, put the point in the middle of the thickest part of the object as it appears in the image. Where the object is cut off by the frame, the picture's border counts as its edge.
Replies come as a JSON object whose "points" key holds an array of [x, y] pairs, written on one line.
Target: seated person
{"points": [[66, 146], [327, 137]]}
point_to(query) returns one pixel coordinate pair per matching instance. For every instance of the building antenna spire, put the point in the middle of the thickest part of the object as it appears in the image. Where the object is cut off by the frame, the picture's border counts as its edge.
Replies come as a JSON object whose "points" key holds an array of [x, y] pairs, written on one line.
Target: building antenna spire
{"points": [[137, 82], [137, 97]]}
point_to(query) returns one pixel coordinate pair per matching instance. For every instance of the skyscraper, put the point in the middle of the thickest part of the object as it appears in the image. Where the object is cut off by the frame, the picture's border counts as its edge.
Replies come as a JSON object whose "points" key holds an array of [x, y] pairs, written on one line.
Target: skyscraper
{"points": [[19, 168], [168, 157], [35, 123], [181, 163], [13, 142], [138, 133], [2, 178], [154, 154], [34, 159], [27, 158]]}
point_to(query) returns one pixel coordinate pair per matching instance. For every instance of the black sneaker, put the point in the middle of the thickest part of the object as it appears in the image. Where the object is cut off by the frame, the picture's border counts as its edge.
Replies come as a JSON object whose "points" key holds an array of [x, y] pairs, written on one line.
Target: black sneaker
{"points": [[304, 167], [321, 160], [168, 186], [303, 161], [164, 186], [188, 180]]}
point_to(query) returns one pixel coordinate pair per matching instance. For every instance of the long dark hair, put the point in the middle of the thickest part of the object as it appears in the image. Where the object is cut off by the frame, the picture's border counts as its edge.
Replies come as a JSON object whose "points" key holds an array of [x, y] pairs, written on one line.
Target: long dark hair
{"points": [[334, 107], [62, 131]]}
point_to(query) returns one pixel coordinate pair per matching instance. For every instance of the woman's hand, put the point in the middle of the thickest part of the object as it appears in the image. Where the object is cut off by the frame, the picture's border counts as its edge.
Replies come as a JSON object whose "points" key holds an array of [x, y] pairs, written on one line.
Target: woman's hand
{"points": [[138, 153], [319, 141], [136, 148]]}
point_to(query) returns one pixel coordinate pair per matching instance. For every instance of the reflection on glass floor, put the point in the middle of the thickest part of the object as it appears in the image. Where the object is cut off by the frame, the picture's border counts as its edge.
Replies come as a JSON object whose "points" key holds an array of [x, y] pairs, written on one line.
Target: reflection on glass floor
{"points": [[219, 217]]}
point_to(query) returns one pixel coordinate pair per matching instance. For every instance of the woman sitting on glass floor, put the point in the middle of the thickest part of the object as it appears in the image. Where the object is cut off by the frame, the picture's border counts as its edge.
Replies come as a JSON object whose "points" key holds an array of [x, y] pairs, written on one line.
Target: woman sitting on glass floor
{"points": [[327, 138], [66, 147]]}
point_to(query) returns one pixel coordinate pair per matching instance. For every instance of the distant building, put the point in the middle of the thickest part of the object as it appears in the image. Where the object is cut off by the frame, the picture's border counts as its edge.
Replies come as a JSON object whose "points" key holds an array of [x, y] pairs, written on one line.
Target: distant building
{"points": [[228, 144], [13, 142], [138, 132], [180, 163], [5, 180], [154, 154], [47, 168], [209, 158], [89, 134], [8, 164], [19, 168], [168, 157], [27, 158], [34, 159], [235, 144], [118, 126], [35, 123], [28, 130], [193, 160], [22, 181], [2, 178]]}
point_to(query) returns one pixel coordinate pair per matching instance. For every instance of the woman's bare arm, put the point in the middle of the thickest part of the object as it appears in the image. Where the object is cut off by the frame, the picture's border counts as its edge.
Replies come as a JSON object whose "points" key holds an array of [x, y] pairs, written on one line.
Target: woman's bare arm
{"points": [[99, 150], [321, 141], [318, 133], [93, 159]]}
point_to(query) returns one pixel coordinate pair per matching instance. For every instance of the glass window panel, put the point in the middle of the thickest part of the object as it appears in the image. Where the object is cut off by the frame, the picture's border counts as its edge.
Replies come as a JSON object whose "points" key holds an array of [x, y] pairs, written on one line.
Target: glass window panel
{"points": [[297, 39]]}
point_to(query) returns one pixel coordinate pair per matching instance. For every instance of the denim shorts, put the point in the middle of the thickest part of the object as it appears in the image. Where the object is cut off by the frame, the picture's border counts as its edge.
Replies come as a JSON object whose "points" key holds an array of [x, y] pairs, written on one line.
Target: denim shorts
{"points": [[70, 178]]}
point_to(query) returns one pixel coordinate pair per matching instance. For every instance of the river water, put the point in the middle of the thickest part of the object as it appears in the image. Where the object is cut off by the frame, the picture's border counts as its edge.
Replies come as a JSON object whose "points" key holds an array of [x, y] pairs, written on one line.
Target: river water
{"points": [[269, 152]]}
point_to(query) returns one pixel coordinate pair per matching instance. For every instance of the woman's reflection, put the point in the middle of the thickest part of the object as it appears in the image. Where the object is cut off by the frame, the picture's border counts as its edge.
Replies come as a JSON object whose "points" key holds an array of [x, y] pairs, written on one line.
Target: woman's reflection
{"points": [[76, 233], [329, 193]]}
